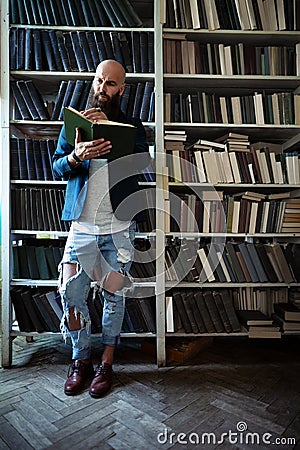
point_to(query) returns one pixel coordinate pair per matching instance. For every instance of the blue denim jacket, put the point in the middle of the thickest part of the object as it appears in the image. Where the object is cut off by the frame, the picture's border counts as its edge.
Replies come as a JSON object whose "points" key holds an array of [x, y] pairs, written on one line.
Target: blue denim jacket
{"points": [[121, 186]]}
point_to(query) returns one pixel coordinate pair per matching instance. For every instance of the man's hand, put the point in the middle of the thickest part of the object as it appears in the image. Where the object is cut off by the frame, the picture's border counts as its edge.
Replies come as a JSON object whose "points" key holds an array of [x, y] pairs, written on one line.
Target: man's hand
{"points": [[91, 149], [94, 114]]}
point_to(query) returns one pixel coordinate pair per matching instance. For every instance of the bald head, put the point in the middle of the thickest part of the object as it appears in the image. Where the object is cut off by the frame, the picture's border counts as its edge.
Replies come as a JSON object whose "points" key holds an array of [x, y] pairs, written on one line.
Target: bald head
{"points": [[114, 68]]}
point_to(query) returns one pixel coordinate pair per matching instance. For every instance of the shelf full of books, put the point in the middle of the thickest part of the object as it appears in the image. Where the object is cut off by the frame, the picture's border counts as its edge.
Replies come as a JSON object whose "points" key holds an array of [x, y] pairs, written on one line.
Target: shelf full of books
{"points": [[39, 310], [253, 312], [249, 15]]}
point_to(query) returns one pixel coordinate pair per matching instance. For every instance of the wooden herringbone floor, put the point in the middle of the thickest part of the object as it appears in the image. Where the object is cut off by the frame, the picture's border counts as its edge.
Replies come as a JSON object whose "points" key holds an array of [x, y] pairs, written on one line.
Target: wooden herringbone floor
{"points": [[255, 383]]}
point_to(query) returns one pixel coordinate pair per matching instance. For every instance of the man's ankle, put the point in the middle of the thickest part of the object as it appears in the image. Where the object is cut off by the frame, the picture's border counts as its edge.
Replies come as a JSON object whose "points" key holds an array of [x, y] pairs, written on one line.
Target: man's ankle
{"points": [[108, 354]]}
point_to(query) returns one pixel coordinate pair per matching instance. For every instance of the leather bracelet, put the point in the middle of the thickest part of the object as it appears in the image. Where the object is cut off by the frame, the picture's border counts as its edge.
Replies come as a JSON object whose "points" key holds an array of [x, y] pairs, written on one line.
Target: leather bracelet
{"points": [[74, 156]]}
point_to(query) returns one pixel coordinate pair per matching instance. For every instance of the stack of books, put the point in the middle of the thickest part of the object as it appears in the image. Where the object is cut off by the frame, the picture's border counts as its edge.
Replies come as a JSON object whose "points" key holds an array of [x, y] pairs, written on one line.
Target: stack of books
{"points": [[287, 316], [258, 324]]}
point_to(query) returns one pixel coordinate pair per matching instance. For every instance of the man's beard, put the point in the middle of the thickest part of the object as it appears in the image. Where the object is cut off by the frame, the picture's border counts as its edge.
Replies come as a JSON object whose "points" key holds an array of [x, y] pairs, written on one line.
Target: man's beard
{"points": [[111, 106]]}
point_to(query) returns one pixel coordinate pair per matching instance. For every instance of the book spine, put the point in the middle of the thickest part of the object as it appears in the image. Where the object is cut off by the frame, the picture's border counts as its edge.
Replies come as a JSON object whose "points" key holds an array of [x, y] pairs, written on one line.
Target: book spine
{"points": [[46, 166], [136, 53], [50, 20], [102, 16], [107, 45], [89, 17], [70, 51], [37, 159], [138, 100], [85, 102], [14, 161], [59, 100], [90, 37], [78, 51], [135, 20], [18, 97], [100, 45], [37, 49], [20, 48], [77, 92], [56, 52], [110, 13], [28, 12], [28, 100], [67, 96], [30, 159], [28, 57], [57, 12], [115, 7], [13, 48], [124, 39], [144, 52], [67, 13], [20, 6], [14, 13], [146, 101], [86, 51], [37, 100], [116, 46], [62, 49]]}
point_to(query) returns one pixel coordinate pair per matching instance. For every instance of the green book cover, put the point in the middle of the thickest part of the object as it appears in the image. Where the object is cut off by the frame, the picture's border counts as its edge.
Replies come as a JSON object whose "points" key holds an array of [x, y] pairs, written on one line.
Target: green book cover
{"points": [[121, 135]]}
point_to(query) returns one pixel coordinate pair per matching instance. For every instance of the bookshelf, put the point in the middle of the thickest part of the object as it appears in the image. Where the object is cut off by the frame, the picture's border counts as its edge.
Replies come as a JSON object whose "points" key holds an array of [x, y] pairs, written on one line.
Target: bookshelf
{"points": [[48, 82], [215, 73]]}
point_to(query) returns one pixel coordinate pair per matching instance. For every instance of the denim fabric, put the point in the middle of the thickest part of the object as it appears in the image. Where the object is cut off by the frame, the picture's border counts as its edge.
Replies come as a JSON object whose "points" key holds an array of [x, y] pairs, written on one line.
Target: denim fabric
{"points": [[110, 252]]}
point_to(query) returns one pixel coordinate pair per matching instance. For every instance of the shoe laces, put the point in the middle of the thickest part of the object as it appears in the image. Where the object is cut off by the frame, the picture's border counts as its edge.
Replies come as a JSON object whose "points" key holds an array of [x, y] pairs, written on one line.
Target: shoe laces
{"points": [[103, 369], [74, 367]]}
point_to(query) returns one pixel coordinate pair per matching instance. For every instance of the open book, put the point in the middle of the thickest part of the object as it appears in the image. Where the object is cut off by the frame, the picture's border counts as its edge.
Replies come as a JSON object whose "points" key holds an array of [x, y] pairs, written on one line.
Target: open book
{"points": [[121, 135]]}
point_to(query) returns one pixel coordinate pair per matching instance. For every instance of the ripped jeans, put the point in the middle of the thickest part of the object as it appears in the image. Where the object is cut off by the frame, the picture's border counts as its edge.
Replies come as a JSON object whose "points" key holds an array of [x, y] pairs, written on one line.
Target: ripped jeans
{"points": [[95, 256]]}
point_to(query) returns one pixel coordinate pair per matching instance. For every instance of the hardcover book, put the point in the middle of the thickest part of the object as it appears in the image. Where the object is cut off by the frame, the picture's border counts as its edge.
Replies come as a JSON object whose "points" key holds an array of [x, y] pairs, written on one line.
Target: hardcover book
{"points": [[288, 311], [253, 317], [121, 135]]}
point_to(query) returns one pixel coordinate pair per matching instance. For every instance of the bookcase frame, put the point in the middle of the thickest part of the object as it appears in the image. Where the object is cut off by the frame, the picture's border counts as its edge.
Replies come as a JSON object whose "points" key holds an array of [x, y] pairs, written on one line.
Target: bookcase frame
{"points": [[290, 133], [160, 80], [9, 332]]}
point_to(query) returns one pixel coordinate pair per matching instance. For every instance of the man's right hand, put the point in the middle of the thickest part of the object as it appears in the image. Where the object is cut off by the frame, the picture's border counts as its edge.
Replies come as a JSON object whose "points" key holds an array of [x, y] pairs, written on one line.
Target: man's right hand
{"points": [[91, 149]]}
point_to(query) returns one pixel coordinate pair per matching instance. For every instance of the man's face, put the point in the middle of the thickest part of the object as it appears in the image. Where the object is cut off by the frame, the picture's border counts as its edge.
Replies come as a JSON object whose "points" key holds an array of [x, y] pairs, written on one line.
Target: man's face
{"points": [[108, 86]]}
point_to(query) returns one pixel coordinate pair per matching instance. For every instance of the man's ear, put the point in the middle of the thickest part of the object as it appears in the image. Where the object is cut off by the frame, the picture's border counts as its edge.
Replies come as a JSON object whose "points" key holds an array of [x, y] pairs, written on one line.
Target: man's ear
{"points": [[121, 90]]}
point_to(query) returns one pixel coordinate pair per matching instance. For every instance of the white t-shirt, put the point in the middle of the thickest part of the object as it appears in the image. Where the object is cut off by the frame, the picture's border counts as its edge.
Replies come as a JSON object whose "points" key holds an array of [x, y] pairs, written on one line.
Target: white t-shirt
{"points": [[97, 216]]}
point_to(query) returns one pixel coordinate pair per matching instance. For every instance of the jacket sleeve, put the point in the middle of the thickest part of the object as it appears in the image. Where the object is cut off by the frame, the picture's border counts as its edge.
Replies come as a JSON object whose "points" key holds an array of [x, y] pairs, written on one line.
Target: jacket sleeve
{"points": [[61, 166]]}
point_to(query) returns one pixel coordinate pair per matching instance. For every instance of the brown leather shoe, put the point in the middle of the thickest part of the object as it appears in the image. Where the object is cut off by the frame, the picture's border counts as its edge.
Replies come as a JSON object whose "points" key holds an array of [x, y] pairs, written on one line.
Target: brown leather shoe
{"points": [[79, 372], [102, 381]]}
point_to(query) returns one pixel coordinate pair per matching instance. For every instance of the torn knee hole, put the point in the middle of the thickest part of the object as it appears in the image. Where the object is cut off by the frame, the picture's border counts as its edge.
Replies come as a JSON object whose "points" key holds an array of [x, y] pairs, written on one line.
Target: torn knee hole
{"points": [[75, 319], [67, 272], [113, 282]]}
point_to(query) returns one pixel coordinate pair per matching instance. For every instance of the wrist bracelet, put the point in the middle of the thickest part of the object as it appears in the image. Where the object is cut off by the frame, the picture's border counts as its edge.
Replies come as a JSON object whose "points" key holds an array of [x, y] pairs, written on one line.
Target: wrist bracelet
{"points": [[74, 156]]}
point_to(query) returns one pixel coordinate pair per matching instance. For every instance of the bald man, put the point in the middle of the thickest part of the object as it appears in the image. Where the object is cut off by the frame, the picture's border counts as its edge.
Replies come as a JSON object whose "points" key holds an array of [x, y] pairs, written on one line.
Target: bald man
{"points": [[100, 242]]}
